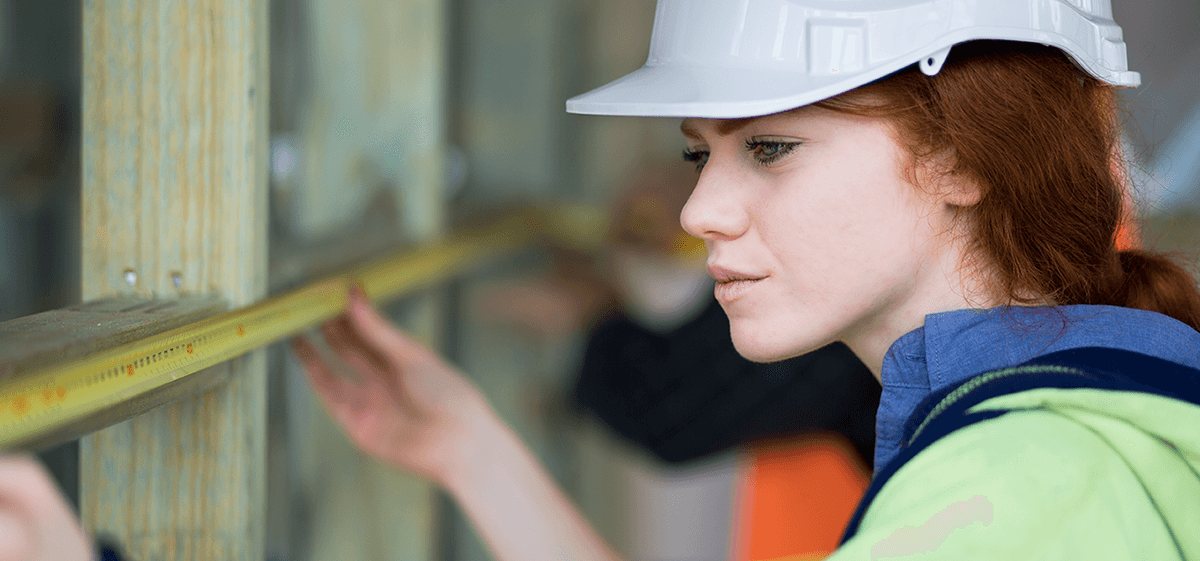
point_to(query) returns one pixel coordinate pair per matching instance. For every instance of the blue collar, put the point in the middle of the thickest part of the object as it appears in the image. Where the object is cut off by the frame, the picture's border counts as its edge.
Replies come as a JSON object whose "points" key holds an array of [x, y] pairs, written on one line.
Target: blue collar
{"points": [[954, 346]]}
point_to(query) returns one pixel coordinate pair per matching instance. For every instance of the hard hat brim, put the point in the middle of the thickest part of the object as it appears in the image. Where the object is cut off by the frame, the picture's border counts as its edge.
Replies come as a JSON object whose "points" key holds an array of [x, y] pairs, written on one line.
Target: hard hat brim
{"points": [[714, 92], [734, 92]]}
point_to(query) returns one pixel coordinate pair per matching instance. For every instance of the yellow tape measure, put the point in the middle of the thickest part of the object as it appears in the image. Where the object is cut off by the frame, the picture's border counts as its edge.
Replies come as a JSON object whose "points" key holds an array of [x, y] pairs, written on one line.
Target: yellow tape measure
{"points": [[41, 401]]}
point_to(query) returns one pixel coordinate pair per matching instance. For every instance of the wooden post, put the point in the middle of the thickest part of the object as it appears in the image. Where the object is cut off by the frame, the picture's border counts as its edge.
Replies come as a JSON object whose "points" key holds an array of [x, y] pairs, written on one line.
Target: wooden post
{"points": [[369, 135], [174, 201]]}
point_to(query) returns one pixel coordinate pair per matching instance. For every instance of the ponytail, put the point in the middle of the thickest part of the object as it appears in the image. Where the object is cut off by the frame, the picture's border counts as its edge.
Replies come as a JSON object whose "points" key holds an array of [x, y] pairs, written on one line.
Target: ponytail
{"points": [[1156, 283]]}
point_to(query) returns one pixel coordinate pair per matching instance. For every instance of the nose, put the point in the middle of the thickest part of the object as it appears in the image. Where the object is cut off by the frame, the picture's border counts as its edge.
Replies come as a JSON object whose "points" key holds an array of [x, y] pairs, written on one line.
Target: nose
{"points": [[715, 210]]}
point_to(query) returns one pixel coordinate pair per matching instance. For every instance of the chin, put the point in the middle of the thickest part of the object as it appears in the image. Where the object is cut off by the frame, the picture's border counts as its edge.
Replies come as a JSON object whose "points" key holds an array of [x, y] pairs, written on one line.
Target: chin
{"points": [[761, 348]]}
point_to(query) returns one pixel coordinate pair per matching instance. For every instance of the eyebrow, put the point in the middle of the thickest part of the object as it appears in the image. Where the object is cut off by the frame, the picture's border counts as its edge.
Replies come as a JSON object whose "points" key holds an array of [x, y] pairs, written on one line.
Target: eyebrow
{"points": [[724, 127]]}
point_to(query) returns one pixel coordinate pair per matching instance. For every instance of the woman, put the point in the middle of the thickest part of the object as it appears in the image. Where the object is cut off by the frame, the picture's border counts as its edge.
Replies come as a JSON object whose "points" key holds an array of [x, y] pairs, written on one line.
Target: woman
{"points": [[938, 191]]}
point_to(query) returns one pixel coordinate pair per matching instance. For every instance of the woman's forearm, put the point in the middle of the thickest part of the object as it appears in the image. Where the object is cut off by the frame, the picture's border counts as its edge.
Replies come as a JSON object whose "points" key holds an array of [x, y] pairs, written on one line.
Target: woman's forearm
{"points": [[514, 504]]}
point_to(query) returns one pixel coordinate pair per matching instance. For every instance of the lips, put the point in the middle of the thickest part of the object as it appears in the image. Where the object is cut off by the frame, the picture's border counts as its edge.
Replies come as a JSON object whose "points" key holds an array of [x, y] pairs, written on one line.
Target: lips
{"points": [[721, 274], [732, 284]]}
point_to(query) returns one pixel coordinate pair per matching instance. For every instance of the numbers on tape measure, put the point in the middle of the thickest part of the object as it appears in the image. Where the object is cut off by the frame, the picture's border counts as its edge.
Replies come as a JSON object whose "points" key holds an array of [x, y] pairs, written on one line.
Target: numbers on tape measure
{"points": [[21, 404], [50, 395], [22, 409]]}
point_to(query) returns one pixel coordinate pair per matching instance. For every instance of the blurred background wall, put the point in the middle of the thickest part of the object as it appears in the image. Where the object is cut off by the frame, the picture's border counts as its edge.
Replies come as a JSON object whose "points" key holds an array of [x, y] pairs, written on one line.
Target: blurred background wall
{"points": [[1164, 112], [39, 168], [395, 120]]}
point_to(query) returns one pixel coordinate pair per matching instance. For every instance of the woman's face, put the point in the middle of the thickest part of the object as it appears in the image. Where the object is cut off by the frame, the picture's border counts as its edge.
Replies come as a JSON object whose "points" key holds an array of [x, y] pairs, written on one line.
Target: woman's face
{"points": [[814, 234]]}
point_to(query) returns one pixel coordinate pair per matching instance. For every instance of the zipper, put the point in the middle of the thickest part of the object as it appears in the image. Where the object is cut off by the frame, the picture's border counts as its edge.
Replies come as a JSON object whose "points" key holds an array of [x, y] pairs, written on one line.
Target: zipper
{"points": [[970, 385]]}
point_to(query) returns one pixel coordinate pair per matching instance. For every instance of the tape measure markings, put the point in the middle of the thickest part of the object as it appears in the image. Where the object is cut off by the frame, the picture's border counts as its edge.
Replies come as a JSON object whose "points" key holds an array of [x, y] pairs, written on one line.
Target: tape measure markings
{"points": [[37, 402]]}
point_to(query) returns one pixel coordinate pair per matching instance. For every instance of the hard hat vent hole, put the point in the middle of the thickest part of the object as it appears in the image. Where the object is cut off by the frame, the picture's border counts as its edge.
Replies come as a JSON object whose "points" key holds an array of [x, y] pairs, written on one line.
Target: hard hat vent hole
{"points": [[932, 64]]}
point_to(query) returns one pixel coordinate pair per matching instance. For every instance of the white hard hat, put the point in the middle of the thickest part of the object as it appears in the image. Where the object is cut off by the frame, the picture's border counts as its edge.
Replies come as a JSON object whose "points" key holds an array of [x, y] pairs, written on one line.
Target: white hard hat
{"points": [[747, 58]]}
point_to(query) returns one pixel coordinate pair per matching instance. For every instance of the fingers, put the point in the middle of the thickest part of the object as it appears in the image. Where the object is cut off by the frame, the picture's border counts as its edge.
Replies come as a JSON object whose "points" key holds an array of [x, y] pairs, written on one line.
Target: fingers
{"points": [[373, 347], [349, 344], [377, 331], [376, 372], [18, 475], [331, 387], [36, 484], [16, 540], [342, 399], [35, 520]]}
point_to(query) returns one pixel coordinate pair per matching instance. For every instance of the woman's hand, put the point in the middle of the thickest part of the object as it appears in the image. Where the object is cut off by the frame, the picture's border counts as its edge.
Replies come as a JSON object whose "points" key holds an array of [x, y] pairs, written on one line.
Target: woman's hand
{"points": [[412, 410], [394, 398], [36, 524]]}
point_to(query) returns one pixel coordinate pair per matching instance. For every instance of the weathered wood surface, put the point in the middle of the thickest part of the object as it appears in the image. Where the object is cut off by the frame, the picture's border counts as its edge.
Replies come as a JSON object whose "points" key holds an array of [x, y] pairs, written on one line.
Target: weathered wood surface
{"points": [[174, 202], [60, 336]]}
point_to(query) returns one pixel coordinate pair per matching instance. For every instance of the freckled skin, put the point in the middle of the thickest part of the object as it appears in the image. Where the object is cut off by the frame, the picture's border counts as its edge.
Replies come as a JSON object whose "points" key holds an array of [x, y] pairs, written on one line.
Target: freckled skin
{"points": [[852, 251]]}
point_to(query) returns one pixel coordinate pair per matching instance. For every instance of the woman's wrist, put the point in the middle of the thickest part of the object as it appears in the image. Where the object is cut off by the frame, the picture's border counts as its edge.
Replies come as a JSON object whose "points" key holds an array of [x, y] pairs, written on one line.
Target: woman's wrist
{"points": [[479, 442], [514, 504]]}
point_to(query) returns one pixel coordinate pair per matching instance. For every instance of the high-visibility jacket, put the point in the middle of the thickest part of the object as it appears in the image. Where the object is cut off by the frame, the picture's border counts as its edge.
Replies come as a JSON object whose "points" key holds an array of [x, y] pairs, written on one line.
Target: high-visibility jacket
{"points": [[1082, 454]]}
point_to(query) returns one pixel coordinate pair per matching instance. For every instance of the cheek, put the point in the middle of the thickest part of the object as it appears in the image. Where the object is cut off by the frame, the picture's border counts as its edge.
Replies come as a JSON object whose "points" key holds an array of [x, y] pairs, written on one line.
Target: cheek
{"points": [[836, 253], [853, 222], [825, 234]]}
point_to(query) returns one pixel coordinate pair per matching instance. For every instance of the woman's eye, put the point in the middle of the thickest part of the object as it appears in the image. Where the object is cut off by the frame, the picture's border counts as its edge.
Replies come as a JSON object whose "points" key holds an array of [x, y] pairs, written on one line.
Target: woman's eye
{"points": [[767, 151], [698, 157]]}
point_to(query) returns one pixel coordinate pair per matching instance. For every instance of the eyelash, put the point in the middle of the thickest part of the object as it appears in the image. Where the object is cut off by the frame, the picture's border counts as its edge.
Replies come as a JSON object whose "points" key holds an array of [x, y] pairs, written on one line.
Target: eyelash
{"points": [[700, 157], [781, 149]]}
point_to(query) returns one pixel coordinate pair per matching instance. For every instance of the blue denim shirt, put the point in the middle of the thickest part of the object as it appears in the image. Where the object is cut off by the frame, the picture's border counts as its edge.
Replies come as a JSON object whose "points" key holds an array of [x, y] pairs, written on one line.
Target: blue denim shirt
{"points": [[954, 346]]}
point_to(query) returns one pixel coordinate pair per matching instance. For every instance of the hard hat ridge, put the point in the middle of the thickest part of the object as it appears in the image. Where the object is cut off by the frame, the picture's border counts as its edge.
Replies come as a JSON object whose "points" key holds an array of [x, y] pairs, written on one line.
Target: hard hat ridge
{"points": [[731, 59]]}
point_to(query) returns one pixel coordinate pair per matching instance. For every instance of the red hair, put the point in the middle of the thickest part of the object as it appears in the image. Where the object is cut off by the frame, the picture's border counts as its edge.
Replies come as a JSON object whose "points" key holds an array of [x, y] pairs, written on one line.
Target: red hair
{"points": [[1038, 136]]}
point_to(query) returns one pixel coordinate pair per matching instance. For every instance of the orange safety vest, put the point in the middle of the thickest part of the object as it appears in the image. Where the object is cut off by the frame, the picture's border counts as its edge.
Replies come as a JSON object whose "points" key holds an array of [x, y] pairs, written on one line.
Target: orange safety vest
{"points": [[796, 496]]}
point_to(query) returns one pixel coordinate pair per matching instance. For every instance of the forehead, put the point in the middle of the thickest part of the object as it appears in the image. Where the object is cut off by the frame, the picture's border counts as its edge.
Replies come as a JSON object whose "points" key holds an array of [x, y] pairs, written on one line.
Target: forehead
{"points": [[696, 128]]}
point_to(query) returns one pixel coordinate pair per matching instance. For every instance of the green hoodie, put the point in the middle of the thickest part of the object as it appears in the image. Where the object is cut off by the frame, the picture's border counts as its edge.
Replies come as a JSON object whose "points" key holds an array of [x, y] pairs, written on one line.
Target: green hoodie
{"points": [[1077, 473]]}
